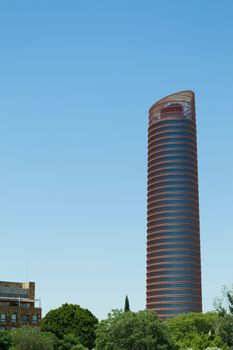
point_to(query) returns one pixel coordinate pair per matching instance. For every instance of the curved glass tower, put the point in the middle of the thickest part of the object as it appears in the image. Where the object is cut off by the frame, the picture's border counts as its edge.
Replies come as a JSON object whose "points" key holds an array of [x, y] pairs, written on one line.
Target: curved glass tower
{"points": [[173, 239]]}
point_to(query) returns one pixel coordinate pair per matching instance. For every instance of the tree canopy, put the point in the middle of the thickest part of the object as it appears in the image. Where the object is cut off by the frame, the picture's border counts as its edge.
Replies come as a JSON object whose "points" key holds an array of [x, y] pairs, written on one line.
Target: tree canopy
{"points": [[5, 340], [28, 338], [132, 331], [69, 342], [224, 329], [195, 330], [224, 303], [78, 347], [74, 320]]}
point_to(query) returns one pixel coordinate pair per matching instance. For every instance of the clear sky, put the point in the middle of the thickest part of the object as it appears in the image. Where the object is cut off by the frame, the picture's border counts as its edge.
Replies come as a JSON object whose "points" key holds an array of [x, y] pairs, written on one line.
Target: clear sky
{"points": [[77, 78]]}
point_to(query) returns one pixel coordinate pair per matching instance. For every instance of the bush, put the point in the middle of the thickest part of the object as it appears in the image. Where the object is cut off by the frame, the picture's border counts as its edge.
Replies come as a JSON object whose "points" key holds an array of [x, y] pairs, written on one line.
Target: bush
{"points": [[128, 330], [27, 338]]}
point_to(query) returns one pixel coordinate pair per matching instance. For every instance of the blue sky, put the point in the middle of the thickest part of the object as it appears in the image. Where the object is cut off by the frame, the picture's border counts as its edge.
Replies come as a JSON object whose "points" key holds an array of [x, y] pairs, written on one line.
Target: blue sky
{"points": [[77, 79]]}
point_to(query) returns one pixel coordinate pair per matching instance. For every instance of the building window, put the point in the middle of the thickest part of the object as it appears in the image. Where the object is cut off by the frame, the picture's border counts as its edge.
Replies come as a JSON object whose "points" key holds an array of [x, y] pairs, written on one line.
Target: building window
{"points": [[2, 318], [25, 318], [14, 318], [4, 303], [2, 328], [34, 318], [27, 305]]}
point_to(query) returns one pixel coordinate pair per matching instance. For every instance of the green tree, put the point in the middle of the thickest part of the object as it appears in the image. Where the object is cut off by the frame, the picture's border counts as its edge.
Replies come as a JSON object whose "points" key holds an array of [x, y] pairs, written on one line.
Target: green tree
{"points": [[78, 347], [224, 329], [28, 338], [5, 340], [132, 331], [127, 307], [71, 319], [224, 303], [68, 342], [195, 330]]}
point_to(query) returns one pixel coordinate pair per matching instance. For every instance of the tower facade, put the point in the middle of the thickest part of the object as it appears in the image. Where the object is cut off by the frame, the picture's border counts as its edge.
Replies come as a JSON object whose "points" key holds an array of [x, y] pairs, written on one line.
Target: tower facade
{"points": [[173, 235]]}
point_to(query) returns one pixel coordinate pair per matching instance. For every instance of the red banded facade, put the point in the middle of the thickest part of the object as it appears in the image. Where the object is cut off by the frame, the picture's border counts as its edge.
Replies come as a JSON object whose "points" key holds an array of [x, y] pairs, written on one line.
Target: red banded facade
{"points": [[173, 235]]}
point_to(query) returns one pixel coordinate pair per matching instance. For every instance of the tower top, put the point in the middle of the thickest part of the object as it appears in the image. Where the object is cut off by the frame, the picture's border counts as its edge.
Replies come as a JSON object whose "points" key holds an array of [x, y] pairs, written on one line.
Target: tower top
{"points": [[180, 105]]}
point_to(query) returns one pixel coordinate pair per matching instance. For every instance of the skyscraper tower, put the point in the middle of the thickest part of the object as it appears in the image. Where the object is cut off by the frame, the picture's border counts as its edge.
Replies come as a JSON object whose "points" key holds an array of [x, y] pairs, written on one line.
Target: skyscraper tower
{"points": [[173, 236]]}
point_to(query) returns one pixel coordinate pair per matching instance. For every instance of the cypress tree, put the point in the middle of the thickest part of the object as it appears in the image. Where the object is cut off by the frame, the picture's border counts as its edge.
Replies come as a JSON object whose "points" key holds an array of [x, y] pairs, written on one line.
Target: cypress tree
{"points": [[126, 308], [230, 301]]}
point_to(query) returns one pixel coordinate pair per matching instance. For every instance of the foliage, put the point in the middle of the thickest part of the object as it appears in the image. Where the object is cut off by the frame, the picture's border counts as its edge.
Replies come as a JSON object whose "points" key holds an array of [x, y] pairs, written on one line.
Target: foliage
{"points": [[68, 342], [28, 338], [78, 347], [195, 330], [127, 307], [5, 340], [224, 329], [71, 319], [132, 331], [224, 303]]}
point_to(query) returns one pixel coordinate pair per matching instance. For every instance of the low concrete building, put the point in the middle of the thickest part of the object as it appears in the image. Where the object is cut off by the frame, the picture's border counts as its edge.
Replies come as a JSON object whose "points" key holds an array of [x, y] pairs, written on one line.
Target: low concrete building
{"points": [[18, 306]]}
